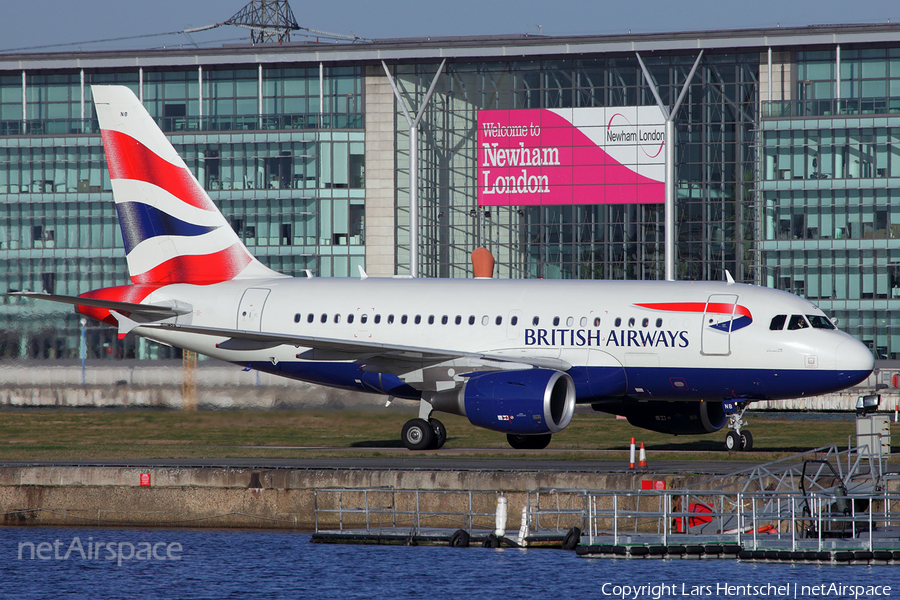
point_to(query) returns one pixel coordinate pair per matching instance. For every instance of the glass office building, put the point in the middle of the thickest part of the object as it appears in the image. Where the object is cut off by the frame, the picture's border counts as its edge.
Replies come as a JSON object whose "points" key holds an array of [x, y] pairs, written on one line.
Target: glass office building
{"points": [[786, 162], [829, 178], [279, 148]]}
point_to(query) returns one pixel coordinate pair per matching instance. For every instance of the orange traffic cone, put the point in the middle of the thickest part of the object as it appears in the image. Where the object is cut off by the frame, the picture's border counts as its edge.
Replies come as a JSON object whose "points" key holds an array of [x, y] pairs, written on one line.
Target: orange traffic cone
{"points": [[631, 465], [642, 460]]}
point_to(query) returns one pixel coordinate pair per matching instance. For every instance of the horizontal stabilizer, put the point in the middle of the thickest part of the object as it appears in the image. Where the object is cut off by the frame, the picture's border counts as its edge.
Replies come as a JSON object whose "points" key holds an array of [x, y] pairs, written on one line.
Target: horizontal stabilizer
{"points": [[162, 310]]}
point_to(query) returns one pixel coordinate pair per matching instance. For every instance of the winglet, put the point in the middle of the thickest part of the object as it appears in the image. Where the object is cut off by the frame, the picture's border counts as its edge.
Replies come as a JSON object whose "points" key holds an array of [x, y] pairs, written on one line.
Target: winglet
{"points": [[362, 273], [728, 277], [309, 274], [125, 324]]}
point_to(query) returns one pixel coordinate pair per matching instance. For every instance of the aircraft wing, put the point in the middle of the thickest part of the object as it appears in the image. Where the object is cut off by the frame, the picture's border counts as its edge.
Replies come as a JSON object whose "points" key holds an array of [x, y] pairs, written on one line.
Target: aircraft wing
{"points": [[392, 357]]}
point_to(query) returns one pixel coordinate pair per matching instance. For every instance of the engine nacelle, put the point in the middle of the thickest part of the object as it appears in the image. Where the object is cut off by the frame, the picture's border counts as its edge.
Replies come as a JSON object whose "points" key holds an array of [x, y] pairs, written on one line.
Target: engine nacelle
{"points": [[677, 418], [532, 401]]}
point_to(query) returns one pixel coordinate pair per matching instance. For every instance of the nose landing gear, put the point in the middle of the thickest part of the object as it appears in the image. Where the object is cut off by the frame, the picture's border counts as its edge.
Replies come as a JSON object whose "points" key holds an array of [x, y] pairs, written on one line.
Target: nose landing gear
{"points": [[738, 439]]}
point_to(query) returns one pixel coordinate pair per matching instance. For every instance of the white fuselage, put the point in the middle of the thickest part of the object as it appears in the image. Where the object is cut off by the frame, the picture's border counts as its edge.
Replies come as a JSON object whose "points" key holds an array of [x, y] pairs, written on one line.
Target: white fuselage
{"points": [[666, 352]]}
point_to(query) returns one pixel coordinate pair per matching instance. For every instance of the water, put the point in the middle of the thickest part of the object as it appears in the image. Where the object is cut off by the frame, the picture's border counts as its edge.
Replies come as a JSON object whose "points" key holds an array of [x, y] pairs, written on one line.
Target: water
{"points": [[220, 564]]}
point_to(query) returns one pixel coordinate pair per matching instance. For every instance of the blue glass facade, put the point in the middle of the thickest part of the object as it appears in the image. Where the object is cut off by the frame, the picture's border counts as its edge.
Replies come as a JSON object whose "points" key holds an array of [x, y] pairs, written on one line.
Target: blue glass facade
{"points": [[280, 150], [829, 183]]}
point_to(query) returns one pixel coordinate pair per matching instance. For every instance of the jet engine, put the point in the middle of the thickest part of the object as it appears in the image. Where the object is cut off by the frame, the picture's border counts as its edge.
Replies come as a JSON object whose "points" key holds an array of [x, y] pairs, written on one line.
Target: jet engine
{"points": [[527, 402], [675, 417]]}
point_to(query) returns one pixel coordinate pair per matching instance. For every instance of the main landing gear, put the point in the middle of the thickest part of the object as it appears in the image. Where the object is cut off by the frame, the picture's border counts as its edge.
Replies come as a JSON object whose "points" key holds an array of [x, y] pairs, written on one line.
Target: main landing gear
{"points": [[421, 434], [738, 439]]}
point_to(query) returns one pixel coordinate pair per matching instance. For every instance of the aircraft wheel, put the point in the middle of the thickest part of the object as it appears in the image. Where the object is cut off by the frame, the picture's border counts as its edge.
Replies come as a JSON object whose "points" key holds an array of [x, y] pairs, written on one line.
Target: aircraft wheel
{"points": [[440, 433], [417, 434], [539, 442], [519, 442], [529, 442], [732, 441], [746, 441]]}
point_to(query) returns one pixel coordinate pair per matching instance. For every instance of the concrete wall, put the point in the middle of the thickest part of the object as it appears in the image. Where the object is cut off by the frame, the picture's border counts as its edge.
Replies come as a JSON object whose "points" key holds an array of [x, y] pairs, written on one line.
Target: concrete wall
{"points": [[784, 78], [221, 385], [282, 498], [380, 229], [158, 385]]}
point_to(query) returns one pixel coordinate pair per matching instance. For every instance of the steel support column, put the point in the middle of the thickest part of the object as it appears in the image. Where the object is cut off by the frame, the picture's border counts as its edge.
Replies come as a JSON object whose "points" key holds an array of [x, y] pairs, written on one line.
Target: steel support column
{"points": [[413, 163], [671, 184]]}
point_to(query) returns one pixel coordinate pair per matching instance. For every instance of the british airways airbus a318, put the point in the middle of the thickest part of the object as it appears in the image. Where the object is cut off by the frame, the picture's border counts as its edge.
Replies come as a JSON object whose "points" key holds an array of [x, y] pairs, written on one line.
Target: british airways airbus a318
{"points": [[513, 356]]}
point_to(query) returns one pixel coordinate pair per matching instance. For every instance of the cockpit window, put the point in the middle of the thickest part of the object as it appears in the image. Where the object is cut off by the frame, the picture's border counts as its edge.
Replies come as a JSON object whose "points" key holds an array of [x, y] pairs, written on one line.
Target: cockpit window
{"points": [[820, 322], [797, 322], [777, 323]]}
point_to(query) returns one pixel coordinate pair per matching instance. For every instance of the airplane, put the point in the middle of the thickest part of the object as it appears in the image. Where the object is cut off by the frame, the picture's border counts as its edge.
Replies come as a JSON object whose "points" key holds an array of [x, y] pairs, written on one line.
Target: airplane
{"points": [[512, 356]]}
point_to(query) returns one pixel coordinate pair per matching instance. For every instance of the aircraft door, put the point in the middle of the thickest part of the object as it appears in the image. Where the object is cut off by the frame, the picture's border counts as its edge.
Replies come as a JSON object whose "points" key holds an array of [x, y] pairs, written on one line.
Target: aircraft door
{"points": [[715, 332], [249, 316]]}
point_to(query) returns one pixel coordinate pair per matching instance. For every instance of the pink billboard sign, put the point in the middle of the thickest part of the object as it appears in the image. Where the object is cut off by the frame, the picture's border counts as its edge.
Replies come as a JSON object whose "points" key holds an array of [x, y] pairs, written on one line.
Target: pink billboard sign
{"points": [[612, 155]]}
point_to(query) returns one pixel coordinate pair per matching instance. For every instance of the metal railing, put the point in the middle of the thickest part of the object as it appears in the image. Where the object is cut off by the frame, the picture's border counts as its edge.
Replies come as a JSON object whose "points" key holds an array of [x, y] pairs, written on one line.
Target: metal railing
{"points": [[829, 107], [377, 509], [381, 508], [750, 519], [305, 121]]}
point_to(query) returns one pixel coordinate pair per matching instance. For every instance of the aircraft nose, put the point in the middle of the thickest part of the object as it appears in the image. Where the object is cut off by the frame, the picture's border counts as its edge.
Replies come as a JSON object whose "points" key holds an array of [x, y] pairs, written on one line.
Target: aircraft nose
{"points": [[854, 360]]}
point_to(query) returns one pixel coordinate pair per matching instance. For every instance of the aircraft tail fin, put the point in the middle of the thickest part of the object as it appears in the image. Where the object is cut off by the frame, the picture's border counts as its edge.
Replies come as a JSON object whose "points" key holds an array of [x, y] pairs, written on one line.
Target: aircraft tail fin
{"points": [[173, 232]]}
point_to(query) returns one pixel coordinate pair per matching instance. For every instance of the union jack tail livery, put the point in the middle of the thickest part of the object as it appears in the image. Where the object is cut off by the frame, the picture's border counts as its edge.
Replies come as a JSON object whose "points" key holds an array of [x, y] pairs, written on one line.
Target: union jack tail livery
{"points": [[173, 233]]}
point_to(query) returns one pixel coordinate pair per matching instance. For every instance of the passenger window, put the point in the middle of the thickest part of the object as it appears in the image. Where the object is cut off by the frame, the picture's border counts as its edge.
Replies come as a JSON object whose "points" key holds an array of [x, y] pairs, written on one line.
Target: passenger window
{"points": [[377, 318], [431, 319], [323, 318], [596, 321], [310, 318], [618, 321], [390, 319], [555, 321], [658, 323], [363, 318], [498, 320], [514, 321], [350, 318], [418, 319], [820, 322], [471, 319], [444, 320], [297, 318], [403, 320], [631, 322], [645, 322], [485, 320], [535, 321], [458, 319], [570, 321], [777, 323], [337, 318], [583, 322], [797, 322]]}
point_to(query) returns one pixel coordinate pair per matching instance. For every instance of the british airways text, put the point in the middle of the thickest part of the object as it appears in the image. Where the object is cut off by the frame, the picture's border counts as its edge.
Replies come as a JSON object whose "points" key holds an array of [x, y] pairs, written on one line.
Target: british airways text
{"points": [[588, 337]]}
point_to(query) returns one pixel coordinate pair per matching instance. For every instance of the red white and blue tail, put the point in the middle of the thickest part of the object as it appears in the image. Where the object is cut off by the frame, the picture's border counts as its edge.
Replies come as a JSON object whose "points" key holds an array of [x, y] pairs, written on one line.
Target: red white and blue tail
{"points": [[173, 232]]}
